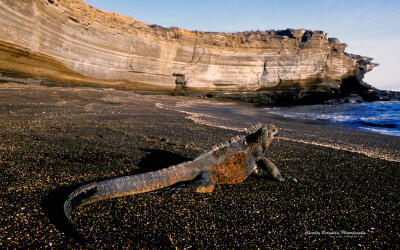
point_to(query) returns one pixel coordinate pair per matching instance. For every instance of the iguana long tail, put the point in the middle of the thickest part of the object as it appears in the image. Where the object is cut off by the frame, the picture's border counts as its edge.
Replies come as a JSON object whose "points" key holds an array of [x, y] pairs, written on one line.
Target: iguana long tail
{"points": [[128, 185]]}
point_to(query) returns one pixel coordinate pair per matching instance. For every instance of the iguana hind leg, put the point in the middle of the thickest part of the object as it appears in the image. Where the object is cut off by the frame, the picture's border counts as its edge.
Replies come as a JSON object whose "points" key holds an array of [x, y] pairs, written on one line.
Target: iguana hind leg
{"points": [[268, 168], [203, 183]]}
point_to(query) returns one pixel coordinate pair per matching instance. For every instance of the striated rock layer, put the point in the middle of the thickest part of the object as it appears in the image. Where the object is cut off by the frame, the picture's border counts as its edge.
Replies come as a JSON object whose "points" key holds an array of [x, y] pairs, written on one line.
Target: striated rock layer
{"points": [[69, 42]]}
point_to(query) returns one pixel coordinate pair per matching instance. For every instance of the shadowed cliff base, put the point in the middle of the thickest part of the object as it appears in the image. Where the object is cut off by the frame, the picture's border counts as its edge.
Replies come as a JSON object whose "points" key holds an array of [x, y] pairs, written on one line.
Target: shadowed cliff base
{"points": [[291, 93]]}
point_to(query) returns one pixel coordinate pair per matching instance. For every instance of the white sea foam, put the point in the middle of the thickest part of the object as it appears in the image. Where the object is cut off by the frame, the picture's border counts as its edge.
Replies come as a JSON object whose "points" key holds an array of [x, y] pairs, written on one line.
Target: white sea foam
{"points": [[378, 117], [200, 118], [378, 154]]}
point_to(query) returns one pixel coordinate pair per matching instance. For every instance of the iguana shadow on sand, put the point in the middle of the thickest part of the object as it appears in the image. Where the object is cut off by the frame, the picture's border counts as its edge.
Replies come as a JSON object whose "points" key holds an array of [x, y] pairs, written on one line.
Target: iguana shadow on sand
{"points": [[227, 163]]}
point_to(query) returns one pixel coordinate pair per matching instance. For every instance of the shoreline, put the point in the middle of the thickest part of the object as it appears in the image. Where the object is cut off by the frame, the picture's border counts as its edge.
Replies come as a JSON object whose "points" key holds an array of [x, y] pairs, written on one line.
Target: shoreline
{"points": [[324, 131], [377, 117], [55, 139]]}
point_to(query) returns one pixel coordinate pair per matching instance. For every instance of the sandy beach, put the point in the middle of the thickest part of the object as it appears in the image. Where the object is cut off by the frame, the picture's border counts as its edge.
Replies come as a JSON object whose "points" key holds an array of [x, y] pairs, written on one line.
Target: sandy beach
{"points": [[55, 139]]}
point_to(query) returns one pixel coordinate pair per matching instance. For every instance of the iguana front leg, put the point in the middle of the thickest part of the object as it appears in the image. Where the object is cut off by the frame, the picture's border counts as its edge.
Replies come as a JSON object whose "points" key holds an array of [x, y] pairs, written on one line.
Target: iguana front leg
{"points": [[266, 167], [203, 183]]}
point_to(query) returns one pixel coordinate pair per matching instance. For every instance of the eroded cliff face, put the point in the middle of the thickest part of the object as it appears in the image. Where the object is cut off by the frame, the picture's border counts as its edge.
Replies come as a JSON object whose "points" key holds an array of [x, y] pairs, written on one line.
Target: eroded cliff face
{"points": [[70, 42]]}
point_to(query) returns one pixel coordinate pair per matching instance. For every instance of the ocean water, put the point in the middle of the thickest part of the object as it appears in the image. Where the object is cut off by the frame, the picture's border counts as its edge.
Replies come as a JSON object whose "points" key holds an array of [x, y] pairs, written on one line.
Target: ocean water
{"points": [[378, 117]]}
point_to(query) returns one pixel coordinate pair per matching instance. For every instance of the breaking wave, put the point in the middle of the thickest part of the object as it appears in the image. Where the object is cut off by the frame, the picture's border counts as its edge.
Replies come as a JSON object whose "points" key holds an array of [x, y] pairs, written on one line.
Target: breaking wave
{"points": [[378, 117]]}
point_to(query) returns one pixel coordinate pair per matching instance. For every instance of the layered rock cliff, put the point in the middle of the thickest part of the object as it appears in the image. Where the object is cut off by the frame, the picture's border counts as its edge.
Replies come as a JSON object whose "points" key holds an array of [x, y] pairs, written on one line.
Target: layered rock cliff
{"points": [[69, 42]]}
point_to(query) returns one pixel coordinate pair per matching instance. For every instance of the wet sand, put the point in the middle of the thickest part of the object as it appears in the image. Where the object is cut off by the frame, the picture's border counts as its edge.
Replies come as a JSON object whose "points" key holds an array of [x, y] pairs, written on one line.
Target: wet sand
{"points": [[53, 140]]}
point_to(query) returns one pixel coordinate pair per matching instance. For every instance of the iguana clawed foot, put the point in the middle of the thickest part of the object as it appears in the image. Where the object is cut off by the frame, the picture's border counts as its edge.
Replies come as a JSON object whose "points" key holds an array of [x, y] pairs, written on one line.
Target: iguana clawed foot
{"points": [[288, 178], [266, 168]]}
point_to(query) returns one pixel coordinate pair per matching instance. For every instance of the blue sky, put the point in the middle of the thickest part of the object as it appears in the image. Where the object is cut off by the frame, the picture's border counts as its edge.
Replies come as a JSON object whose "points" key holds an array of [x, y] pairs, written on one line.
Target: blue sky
{"points": [[370, 27]]}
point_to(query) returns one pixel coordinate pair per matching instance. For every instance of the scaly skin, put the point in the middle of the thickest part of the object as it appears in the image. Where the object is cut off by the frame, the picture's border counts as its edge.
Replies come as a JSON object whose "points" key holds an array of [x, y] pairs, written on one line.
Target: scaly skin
{"points": [[227, 163]]}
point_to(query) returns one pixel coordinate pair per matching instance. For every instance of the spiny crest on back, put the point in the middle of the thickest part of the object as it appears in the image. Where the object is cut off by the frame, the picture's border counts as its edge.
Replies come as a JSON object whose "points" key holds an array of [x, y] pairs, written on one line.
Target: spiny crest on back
{"points": [[254, 134], [235, 139], [220, 146], [214, 149], [224, 145], [254, 128]]}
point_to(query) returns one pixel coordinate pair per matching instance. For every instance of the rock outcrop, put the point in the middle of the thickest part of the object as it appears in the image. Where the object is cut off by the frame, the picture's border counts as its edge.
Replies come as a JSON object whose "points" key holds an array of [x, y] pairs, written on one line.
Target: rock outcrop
{"points": [[69, 42]]}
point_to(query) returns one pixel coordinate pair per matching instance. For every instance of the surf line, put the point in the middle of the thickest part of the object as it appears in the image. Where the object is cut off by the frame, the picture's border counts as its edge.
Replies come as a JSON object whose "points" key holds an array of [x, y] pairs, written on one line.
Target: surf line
{"points": [[196, 118], [368, 153]]}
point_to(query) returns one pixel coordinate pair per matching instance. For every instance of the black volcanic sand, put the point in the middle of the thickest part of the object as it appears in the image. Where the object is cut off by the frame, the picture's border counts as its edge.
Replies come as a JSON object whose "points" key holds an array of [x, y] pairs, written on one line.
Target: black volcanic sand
{"points": [[53, 140]]}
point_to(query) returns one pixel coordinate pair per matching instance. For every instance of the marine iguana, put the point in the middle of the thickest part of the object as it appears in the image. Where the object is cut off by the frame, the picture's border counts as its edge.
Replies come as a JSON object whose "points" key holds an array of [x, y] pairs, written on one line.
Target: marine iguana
{"points": [[227, 163]]}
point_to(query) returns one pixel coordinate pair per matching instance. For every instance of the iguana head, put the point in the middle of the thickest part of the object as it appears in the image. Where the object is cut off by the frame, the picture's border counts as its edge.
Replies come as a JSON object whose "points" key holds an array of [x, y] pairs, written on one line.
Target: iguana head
{"points": [[262, 134], [268, 133]]}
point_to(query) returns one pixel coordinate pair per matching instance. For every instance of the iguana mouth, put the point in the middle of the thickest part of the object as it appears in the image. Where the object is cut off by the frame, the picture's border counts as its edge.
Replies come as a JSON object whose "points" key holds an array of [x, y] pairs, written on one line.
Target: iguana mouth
{"points": [[274, 132]]}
